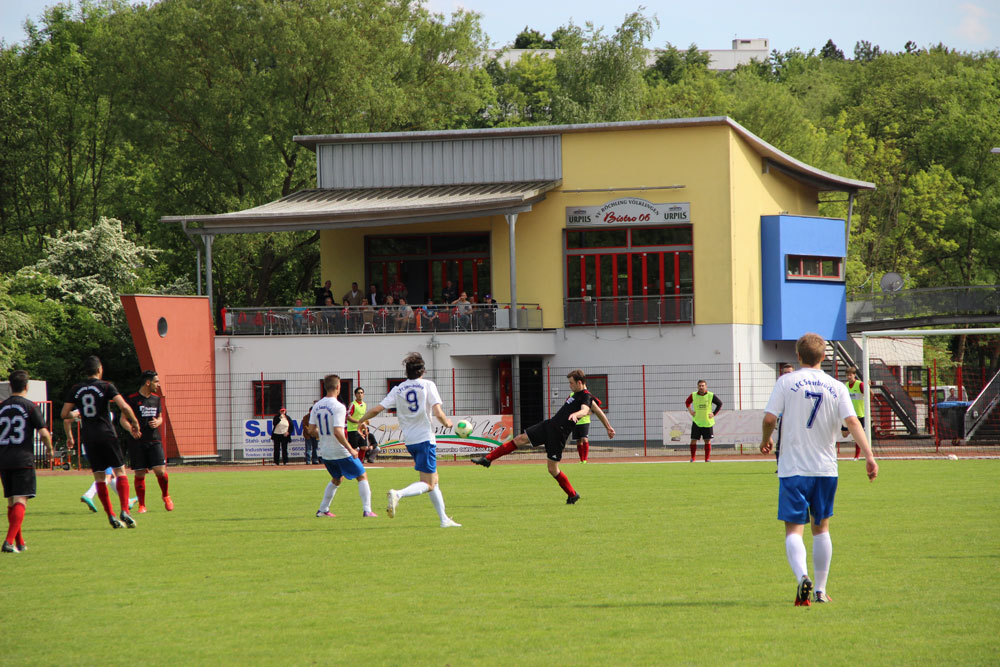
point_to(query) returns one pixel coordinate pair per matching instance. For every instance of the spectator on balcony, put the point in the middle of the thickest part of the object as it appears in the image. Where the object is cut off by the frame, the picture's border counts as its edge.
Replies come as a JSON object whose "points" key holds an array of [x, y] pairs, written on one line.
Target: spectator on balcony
{"points": [[448, 293], [354, 297], [463, 311], [428, 315], [331, 317], [404, 316], [352, 316], [374, 298], [299, 315], [323, 292], [397, 289]]}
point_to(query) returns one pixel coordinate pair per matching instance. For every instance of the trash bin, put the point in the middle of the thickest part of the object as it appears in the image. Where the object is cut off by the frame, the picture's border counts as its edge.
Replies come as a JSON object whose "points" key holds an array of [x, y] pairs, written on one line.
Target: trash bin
{"points": [[951, 419]]}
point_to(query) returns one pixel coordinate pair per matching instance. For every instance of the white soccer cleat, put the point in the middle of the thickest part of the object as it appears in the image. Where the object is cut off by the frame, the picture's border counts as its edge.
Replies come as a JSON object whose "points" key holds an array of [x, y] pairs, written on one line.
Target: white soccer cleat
{"points": [[391, 502], [450, 523]]}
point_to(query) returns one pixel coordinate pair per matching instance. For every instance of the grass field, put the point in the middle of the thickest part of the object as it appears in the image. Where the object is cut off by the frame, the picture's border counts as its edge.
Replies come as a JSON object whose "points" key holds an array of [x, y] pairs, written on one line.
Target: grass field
{"points": [[657, 564]]}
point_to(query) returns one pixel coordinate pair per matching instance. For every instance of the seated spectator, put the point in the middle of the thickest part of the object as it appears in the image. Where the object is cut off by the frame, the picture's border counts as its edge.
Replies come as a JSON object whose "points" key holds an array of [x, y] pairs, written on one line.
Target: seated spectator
{"points": [[463, 311], [387, 315], [404, 316], [324, 292], [373, 298], [489, 312], [428, 315], [299, 314], [352, 316], [330, 317]]}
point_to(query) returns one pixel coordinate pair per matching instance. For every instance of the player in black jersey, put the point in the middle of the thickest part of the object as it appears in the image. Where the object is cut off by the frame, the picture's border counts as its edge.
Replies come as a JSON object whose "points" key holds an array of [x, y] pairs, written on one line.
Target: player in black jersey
{"points": [[93, 398], [20, 419], [146, 453], [552, 433]]}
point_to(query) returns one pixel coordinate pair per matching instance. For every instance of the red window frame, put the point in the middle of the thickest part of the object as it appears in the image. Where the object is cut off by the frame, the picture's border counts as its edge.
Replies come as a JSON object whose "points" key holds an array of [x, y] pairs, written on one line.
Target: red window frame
{"points": [[799, 262], [259, 400]]}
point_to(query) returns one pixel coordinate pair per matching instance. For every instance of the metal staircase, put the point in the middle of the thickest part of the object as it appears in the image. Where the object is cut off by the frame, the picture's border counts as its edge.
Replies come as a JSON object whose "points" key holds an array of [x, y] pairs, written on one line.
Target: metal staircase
{"points": [[981, 411], [882, 380]]}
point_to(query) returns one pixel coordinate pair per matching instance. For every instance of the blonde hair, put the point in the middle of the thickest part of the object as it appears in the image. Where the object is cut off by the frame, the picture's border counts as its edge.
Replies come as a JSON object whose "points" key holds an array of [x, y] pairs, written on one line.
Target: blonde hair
{"points": [[811, 349]]}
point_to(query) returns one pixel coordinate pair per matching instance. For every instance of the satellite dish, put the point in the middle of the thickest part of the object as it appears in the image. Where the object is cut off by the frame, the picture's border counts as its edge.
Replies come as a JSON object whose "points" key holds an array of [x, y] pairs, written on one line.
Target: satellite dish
{"points": [[891, 282]]}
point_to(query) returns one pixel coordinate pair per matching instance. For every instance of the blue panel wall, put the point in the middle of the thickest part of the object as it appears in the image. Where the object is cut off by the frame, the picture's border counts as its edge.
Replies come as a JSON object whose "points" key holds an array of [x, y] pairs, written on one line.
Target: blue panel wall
{"points": [[794, 307]]}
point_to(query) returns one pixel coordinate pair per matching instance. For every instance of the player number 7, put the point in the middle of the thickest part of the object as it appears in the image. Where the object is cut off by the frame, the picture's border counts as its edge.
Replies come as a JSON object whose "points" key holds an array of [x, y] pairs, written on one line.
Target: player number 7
{"points": [[816, 399]]}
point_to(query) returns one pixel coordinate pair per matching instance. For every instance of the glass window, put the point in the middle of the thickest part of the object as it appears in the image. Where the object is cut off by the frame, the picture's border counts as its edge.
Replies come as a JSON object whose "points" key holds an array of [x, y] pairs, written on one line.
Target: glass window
{"points": [[452, 244], [397, 245], [811, 267], [598, 386], [597, 238], [662, 236], [268, 397]]}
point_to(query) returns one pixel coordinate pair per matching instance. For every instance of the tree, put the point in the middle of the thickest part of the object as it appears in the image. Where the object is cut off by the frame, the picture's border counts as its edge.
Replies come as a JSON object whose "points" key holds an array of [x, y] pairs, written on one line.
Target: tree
{"points": [[530, 38], [672, 64], [830, 51], [865, 52]]}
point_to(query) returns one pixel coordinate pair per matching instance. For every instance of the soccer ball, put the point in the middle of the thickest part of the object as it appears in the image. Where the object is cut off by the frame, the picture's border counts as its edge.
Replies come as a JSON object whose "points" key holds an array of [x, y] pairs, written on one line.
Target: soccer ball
{"points": [[463, 429]]}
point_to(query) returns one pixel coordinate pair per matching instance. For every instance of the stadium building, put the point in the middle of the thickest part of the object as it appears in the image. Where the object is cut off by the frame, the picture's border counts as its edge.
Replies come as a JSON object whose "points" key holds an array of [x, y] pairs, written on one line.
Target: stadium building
{"points": [[687, 241]]}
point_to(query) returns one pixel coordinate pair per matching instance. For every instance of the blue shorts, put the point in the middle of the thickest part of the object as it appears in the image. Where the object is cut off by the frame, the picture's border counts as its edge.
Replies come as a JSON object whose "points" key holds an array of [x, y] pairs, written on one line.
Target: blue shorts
{"points": [[799, 497], [424, 456], [349, 467]]}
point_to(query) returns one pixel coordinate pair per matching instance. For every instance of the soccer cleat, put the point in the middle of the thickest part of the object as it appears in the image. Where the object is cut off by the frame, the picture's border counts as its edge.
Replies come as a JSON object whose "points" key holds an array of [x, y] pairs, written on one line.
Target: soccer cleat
{"points": [[821, 596], [583, 461], [572, 499], [391, 503], [168, 503], [8, 548], [89, 503], [132, 501], [368, 514], [325, 514], [142, 509], [482, 461], [127, 519], [115, 523], [450, 523], [21, 548], [692, 459], [803, 592]]}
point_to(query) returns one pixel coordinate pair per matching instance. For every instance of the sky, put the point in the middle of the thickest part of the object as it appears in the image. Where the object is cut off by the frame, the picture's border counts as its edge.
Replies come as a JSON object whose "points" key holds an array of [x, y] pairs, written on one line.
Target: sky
{"points": [[972, 25]]}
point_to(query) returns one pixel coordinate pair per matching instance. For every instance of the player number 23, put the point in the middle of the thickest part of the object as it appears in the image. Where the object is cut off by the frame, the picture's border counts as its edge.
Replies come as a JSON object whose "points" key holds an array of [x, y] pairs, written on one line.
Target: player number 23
{"points": [[817, 399], [9, 425]]}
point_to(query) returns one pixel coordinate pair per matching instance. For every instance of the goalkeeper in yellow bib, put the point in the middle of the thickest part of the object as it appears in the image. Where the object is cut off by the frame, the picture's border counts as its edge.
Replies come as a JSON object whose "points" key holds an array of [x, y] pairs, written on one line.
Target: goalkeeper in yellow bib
{"points": [[856, 392], [703, 407]]}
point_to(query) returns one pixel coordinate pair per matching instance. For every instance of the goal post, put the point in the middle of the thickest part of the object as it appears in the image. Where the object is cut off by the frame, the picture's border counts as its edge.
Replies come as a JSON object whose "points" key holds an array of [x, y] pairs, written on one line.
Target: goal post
{"points": [[903, 333]]}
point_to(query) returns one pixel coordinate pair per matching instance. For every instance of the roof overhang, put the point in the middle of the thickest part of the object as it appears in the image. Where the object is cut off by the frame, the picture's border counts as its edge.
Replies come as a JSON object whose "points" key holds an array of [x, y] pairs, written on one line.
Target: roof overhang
{"points": [[372, 207]]}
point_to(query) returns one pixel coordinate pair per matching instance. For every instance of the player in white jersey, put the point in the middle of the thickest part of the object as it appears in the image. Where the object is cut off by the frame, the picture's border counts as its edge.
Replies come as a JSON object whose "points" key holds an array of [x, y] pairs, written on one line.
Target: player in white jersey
{"points": [[812, 406], [415, 401], [326, 423]]}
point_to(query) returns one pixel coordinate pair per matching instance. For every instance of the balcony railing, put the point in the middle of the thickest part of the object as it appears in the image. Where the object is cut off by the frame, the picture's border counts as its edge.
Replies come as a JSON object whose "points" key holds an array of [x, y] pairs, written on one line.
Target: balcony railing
{"points": [[925, 302], [625, 311], [279, 321]]}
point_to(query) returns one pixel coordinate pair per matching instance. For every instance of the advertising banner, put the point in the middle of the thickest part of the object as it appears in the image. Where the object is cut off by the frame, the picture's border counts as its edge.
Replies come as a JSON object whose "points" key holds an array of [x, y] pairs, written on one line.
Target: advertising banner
{"points": [[628, 211], [488, 432], [735, 427]]}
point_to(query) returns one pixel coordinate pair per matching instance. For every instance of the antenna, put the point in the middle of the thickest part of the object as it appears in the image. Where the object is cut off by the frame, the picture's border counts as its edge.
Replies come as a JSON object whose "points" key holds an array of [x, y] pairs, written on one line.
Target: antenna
{"points": [[891, 282]]}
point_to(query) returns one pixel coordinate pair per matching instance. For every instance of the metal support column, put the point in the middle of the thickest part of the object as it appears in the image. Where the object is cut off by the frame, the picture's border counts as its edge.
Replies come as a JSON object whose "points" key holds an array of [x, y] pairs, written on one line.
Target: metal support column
{"points": [[209, 239], [511, 222]]}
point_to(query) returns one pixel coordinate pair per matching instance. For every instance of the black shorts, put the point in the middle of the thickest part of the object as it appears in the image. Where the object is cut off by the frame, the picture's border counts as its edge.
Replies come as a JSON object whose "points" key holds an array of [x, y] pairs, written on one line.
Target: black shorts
{"points": [[546, 433], [145, 455], [355, 439], [843, 429], [704, 432], [581, 431], [18, 482], [104, 454]]}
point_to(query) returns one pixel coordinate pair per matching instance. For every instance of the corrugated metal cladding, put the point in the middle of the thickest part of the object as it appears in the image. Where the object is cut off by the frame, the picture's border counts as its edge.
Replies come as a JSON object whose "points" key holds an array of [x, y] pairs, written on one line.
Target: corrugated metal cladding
{"points": [[447, 162]]}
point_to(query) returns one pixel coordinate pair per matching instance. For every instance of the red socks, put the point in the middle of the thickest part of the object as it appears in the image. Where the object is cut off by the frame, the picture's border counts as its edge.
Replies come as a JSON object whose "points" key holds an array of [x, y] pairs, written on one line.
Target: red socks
{"points": [[708, 450], [15, 516], [102, 493], [564, 484], [122, 485], [857, 451], [140, 489], [694, 449], [583, 449], [163, 481], [502, 450]]}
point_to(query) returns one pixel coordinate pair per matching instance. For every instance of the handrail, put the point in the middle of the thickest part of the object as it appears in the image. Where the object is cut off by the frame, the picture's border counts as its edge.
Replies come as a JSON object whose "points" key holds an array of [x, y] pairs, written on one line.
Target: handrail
{"points": [[381, 319], [981, 407], [628, 310]]}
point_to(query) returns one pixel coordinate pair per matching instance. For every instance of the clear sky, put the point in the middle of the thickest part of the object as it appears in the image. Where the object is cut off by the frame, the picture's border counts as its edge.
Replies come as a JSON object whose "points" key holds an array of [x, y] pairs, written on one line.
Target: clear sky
{"points": [[972, 25]]}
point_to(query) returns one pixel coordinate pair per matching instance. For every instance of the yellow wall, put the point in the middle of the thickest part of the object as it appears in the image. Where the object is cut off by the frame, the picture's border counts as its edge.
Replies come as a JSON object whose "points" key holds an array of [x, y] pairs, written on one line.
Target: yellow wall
{"points": [[722, 178]]}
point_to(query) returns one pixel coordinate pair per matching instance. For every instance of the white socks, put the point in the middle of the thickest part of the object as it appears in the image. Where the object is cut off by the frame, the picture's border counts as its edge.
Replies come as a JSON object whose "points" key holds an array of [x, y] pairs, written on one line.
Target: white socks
{"points": [[414, 489], [438, 501], [822, 555], [795, 549], [365, 491], [331, 489], [92, 491]]}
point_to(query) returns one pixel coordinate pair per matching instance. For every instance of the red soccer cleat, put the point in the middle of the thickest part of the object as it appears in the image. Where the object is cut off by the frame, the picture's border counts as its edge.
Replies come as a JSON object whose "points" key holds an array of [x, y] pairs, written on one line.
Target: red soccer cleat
{"points": [[168, 503], [142, 509]]}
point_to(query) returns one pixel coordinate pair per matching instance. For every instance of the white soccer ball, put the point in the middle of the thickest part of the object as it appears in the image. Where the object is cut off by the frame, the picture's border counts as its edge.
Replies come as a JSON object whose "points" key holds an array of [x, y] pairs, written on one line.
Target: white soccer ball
{"points": [[463, 429], [952, 457]]}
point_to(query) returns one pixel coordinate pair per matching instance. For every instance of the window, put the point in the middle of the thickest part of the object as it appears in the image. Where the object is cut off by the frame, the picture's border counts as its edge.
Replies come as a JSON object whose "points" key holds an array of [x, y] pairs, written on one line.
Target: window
{"points": [[268, 397], [424, 263], [808, 267], [598, 386], [346, 395]]}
